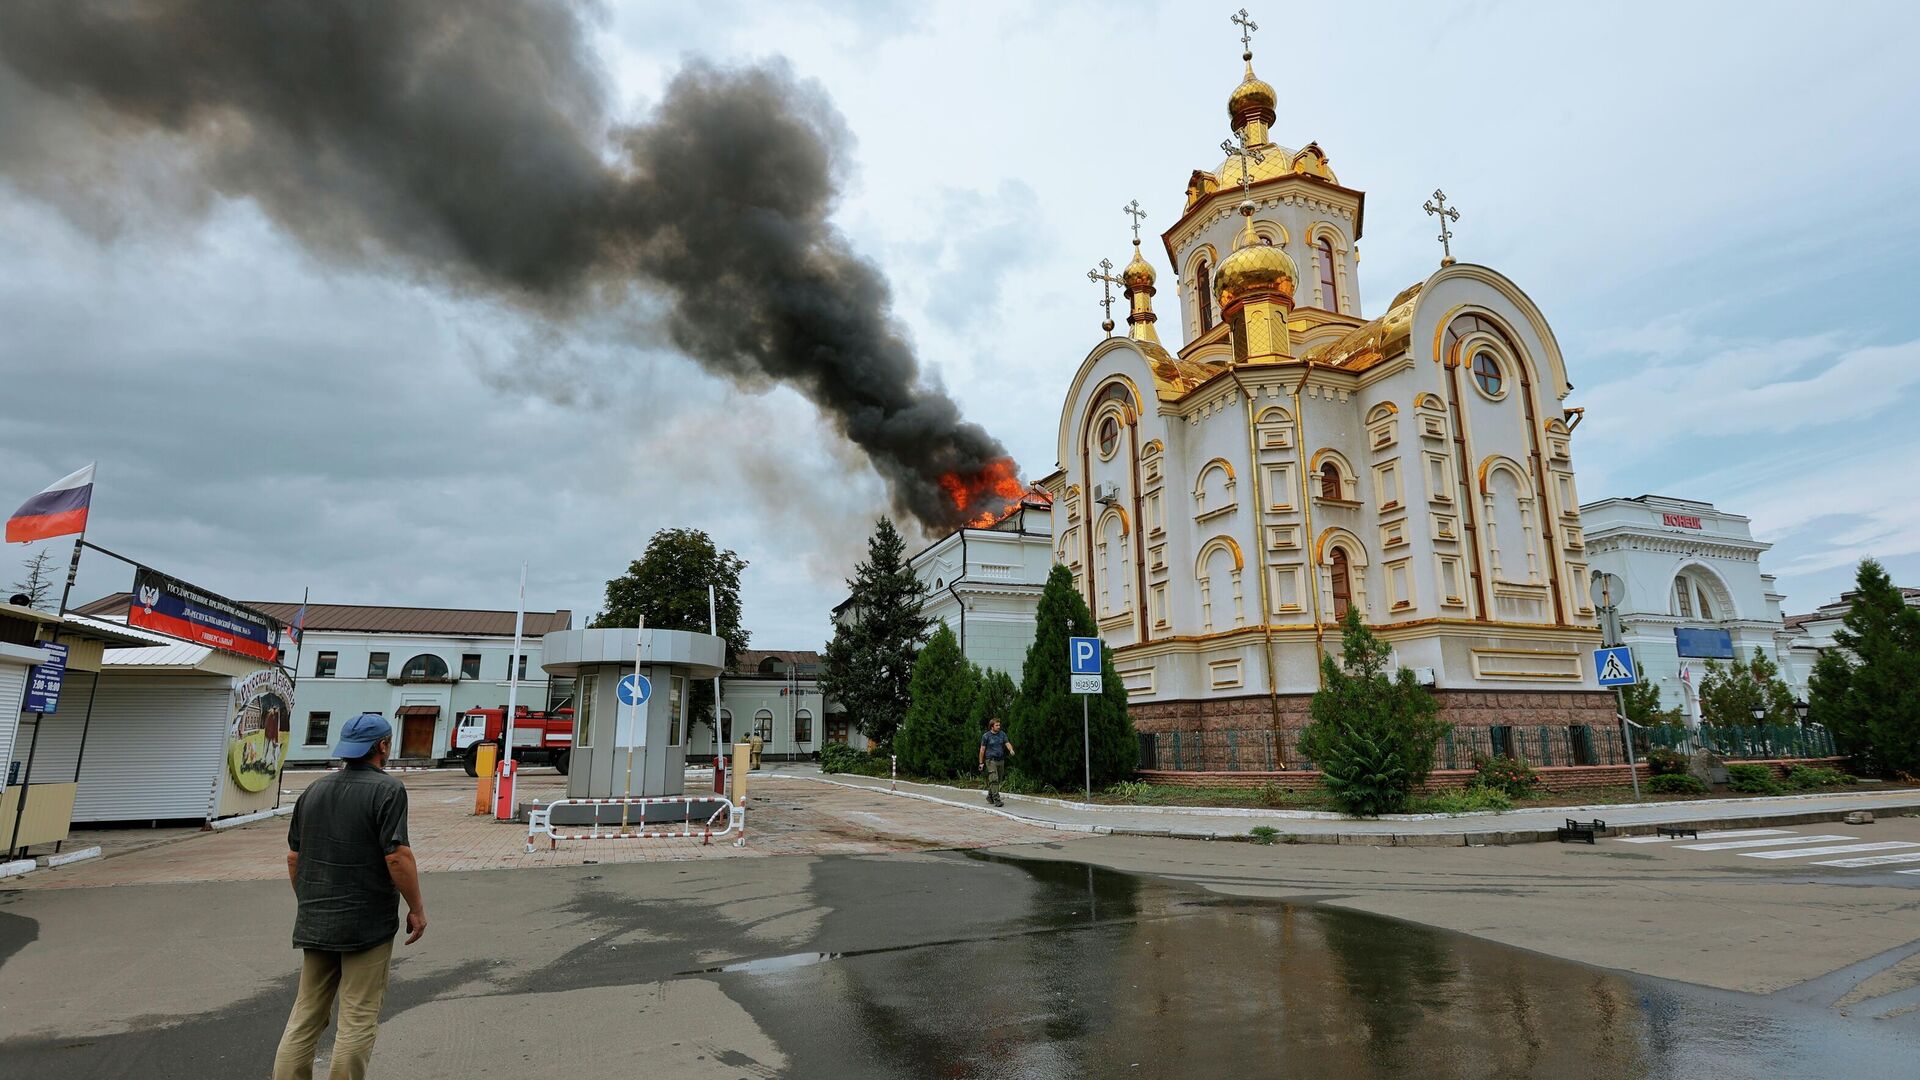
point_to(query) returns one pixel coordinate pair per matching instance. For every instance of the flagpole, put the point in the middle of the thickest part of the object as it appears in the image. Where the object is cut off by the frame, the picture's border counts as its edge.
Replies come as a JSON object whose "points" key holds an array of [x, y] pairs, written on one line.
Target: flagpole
{"points": [[40, 718], [513, 666], [299, 642]]}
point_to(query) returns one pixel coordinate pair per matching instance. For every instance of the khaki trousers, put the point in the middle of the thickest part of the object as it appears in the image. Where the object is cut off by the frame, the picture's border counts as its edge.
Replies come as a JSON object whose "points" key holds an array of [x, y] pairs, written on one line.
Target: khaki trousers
{"points": [[996, 772], [359, 981]]}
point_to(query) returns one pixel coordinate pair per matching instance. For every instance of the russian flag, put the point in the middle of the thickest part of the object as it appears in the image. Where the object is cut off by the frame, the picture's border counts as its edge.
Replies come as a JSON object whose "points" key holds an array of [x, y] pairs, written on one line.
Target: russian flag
{"points": [[59, 510], [299, 626]]}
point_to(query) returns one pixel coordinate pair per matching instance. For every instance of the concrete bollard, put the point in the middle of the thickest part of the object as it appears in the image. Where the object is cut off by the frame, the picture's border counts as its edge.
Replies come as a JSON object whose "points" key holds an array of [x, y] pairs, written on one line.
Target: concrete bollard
{"points": [[1859, 817]]}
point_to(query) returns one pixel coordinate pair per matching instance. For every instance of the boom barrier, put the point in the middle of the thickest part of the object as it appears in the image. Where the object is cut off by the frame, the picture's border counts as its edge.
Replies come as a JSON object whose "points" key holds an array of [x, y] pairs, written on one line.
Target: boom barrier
{"points": [[540, 821]]}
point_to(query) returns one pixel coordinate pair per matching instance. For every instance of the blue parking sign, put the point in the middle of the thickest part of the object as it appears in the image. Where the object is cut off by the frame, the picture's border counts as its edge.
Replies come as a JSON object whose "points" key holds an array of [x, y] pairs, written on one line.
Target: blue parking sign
{"points": [[1083, 655], [1615, 666]]}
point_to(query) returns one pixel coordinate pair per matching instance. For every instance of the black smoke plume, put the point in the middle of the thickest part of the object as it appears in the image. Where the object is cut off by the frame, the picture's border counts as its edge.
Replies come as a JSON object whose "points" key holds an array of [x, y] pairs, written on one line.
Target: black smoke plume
{"points": [[471, 142]]}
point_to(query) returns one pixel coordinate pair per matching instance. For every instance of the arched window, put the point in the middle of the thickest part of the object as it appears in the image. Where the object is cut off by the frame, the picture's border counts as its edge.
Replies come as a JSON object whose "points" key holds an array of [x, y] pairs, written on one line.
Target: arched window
{"points": [[1203, 290], [424, 666], [803, 726], [763, 725], [1342, 582], [1329, 294], [1330, 481], [1690, 598], [726, 726], [1486, 373]]}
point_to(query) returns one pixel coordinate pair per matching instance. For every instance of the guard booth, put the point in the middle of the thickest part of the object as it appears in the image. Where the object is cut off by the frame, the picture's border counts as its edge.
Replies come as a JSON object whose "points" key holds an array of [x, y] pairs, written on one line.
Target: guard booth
{"points": [[627, 743]]}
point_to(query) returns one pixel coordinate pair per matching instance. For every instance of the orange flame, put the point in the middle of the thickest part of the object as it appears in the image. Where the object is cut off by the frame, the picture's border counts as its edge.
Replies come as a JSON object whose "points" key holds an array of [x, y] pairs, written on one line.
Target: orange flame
{"points": [[993, 493]]}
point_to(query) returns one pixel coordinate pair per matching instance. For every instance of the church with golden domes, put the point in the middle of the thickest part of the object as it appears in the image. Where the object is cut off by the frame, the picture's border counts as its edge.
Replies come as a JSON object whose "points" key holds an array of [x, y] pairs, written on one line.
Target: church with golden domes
{"points": [[1224, 502]]}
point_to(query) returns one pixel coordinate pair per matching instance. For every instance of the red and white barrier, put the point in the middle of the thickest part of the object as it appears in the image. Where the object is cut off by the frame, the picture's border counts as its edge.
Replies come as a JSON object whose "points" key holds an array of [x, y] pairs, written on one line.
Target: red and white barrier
{"points": [[540, 821]]}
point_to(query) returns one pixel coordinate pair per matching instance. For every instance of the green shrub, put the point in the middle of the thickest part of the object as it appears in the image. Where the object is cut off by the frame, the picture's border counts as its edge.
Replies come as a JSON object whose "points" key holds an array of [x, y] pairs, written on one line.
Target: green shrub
{"points": [[1263, 834], [1753, 780], [1372, 733], [1509, 776], [1676, 784], [1665, 762], [1472, 799], [841, 758], [1808, 776]]}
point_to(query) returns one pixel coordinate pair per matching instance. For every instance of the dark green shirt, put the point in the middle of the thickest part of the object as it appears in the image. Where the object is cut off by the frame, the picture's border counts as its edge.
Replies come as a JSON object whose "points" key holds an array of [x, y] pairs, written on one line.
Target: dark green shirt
{"points": [[344, 826], [995, 744]]}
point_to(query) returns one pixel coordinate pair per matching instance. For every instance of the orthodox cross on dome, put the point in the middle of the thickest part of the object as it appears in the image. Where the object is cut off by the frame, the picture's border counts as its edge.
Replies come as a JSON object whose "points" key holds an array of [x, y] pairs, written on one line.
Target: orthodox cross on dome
{"points": [[1249, 157], [1133, 211], [1247, 27], [1440, 208], [1104, 275]]}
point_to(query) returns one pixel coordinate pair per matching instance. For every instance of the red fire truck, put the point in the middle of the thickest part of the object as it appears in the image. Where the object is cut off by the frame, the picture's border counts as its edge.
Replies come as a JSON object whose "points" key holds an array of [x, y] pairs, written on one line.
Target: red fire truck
{"points": [[538, 737]]}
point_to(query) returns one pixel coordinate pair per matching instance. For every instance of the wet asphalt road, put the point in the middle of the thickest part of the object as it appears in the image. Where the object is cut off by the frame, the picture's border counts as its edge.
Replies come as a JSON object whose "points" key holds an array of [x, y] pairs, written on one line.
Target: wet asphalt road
{"points": [[952, 965]]}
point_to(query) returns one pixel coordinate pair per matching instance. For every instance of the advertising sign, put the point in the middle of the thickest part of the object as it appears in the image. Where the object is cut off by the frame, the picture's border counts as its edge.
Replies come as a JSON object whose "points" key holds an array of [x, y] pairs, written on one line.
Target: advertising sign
{"points": [[172, 607], [1680, 521], [43, 682], [257, 738], [1706, 644]]}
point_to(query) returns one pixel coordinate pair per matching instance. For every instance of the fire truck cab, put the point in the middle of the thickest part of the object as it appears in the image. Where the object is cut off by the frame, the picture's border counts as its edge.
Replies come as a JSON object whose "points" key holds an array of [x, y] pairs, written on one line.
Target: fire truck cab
{"points": [[538, 737]]}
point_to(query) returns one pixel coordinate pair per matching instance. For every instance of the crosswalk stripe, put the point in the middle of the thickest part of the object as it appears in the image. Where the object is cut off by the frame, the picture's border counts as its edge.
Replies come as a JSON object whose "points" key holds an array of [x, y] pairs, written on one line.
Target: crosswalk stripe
{"points": [[1728, 845], [1802, 853], [1722, 834], [1878, 860]]}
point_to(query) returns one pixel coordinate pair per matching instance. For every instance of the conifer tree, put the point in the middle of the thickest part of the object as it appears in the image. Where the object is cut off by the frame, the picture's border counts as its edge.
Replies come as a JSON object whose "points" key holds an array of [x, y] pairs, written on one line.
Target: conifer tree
{"points": [[938, 738], [1730, 692], [1643, 706], [869, 662], [1045, 725], [994, 698], [1866, 689], [1372, 735]]}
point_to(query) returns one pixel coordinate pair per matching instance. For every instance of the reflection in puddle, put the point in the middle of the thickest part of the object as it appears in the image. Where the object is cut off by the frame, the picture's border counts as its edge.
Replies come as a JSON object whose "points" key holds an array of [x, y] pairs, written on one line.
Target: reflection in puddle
{"points": [[1055, 969]]}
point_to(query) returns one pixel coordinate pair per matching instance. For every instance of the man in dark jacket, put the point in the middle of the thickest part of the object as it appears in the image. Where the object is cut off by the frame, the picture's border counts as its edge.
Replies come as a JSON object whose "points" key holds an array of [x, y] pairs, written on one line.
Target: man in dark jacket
{"points": [[350, 864]]}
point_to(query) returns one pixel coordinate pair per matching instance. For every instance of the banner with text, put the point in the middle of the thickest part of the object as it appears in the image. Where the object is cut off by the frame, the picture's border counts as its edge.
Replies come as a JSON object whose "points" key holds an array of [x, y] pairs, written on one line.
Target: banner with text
{"points": [[172, 607]]}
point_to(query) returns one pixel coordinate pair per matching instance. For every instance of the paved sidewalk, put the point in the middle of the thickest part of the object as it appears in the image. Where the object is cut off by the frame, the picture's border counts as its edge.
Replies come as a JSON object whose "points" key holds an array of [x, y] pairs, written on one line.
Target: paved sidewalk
{"points": [[1316, 827]]}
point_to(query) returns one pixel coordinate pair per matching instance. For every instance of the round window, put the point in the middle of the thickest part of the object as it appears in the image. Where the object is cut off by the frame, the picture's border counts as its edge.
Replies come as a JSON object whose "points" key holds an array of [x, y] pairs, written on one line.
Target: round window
{"points": [[1486, 374], [1109, 436]]}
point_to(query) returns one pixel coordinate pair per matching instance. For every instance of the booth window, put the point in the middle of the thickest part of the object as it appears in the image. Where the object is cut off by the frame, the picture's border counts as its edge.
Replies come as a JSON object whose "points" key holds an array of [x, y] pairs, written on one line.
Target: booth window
{"points": [[318, 724], [425, 666], [325, 664], [377, 665], [470, 665], [583, 716], [803, 726]]}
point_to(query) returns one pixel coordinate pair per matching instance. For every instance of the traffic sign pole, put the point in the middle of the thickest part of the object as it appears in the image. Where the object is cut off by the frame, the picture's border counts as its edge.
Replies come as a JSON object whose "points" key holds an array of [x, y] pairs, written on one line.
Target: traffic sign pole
{"points": [[1086, 747], [1626, 733]]}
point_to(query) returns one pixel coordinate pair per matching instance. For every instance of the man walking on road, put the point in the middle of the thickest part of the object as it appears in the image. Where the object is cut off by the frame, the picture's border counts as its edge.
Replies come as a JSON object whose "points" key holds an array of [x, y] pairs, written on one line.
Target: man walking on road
{"points": [[994, 752], [350, 863]]}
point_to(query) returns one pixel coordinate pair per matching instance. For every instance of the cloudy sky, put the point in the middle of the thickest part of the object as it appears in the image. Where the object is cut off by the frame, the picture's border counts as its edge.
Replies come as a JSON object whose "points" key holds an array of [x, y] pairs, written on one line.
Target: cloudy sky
{"points": [[1712, 202]]}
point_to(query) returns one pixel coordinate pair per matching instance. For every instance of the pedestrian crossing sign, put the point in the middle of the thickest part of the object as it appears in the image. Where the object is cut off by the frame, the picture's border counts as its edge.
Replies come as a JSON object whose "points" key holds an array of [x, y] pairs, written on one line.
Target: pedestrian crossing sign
{"points": [[1615, 666]]}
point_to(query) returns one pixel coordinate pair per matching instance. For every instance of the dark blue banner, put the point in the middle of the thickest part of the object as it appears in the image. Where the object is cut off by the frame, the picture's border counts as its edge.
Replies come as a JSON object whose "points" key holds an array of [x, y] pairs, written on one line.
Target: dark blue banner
{"points": [[174, 608], [43, 682], [1704, 644]]}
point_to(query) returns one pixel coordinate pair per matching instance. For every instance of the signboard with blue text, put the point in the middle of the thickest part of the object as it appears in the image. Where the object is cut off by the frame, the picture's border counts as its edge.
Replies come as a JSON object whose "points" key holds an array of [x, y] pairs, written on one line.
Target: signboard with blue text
{"points": [[172, 607], [1614, 666], [1083, 664], [1703, 644], [43, 682]]}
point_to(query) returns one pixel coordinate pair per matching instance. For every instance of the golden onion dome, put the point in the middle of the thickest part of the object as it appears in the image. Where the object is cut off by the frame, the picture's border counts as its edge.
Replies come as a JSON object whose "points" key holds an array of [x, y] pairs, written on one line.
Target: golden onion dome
{"points": [[1253, 99], [1137, 273], [1255, 266]]}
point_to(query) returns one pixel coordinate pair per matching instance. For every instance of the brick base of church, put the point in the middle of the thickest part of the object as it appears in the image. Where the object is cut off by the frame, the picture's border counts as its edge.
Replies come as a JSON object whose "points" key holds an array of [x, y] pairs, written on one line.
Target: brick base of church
{"points": [[1553, 778], [1461, 708]]}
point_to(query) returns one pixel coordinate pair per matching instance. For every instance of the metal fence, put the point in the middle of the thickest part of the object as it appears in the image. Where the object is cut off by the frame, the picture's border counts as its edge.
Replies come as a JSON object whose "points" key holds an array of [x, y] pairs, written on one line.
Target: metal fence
{"points": [[1264, 750]]}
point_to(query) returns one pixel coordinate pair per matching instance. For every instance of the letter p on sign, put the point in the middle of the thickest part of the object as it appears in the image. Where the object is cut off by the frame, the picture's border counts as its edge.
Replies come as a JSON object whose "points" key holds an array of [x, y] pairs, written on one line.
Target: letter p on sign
{"points": [[1083, 664]]}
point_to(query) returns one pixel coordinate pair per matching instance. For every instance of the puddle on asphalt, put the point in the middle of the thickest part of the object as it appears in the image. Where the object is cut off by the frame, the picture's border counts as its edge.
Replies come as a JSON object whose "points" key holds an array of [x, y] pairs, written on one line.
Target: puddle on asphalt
{"points": [[1049, 969]]}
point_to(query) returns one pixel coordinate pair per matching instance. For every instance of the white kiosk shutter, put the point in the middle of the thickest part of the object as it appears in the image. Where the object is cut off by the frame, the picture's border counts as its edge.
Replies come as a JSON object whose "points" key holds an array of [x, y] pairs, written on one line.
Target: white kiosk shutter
{"points": [[155, 746], [13, 687]]}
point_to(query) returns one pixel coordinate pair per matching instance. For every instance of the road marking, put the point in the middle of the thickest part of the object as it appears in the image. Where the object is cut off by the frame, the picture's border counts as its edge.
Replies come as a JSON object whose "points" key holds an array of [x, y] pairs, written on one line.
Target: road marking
{"points": [[1775, 842], [1801, 853], [1878, 860], [1704, 835]]}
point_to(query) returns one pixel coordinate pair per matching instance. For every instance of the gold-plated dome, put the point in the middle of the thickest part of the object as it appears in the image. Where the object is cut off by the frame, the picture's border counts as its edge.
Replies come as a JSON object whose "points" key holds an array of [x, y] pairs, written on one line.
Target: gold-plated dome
{"points": [[1253, 100], [1138, 272], [1255, 266]]}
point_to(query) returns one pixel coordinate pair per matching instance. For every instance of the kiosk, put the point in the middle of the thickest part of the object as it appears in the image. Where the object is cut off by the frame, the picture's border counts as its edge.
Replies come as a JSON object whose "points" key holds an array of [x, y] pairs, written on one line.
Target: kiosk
{"points": [[627, 743]]}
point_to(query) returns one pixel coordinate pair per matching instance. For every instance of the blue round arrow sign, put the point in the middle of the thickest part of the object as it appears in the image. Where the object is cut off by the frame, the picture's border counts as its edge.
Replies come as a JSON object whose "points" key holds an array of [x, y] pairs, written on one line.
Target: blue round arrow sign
{"points": [[635, 689]]}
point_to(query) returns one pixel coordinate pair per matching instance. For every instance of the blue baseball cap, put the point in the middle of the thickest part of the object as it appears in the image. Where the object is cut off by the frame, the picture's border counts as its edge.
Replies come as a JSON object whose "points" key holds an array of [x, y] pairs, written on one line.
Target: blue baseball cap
{"points": [[361, 734]]}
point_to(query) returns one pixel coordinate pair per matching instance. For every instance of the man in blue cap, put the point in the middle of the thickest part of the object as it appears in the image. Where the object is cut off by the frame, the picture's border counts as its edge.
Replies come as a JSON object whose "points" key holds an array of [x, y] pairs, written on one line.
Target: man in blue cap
{"points": [[350, 864]]}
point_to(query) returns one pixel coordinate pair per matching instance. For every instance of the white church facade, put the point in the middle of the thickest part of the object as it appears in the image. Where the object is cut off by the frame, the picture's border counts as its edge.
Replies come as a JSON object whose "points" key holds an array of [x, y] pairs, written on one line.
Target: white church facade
{"points": [[1223, 504]]}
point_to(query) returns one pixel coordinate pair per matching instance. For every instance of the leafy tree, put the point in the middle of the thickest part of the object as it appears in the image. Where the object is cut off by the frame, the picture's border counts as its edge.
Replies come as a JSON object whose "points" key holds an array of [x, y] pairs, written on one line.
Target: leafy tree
{"points": [[995, 697], [1730, 692], [869, 662], [1372, 735], [1045, 725], [938, 738], [1866, 689], [668, 584], [38, 584], [1643, 706]]}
